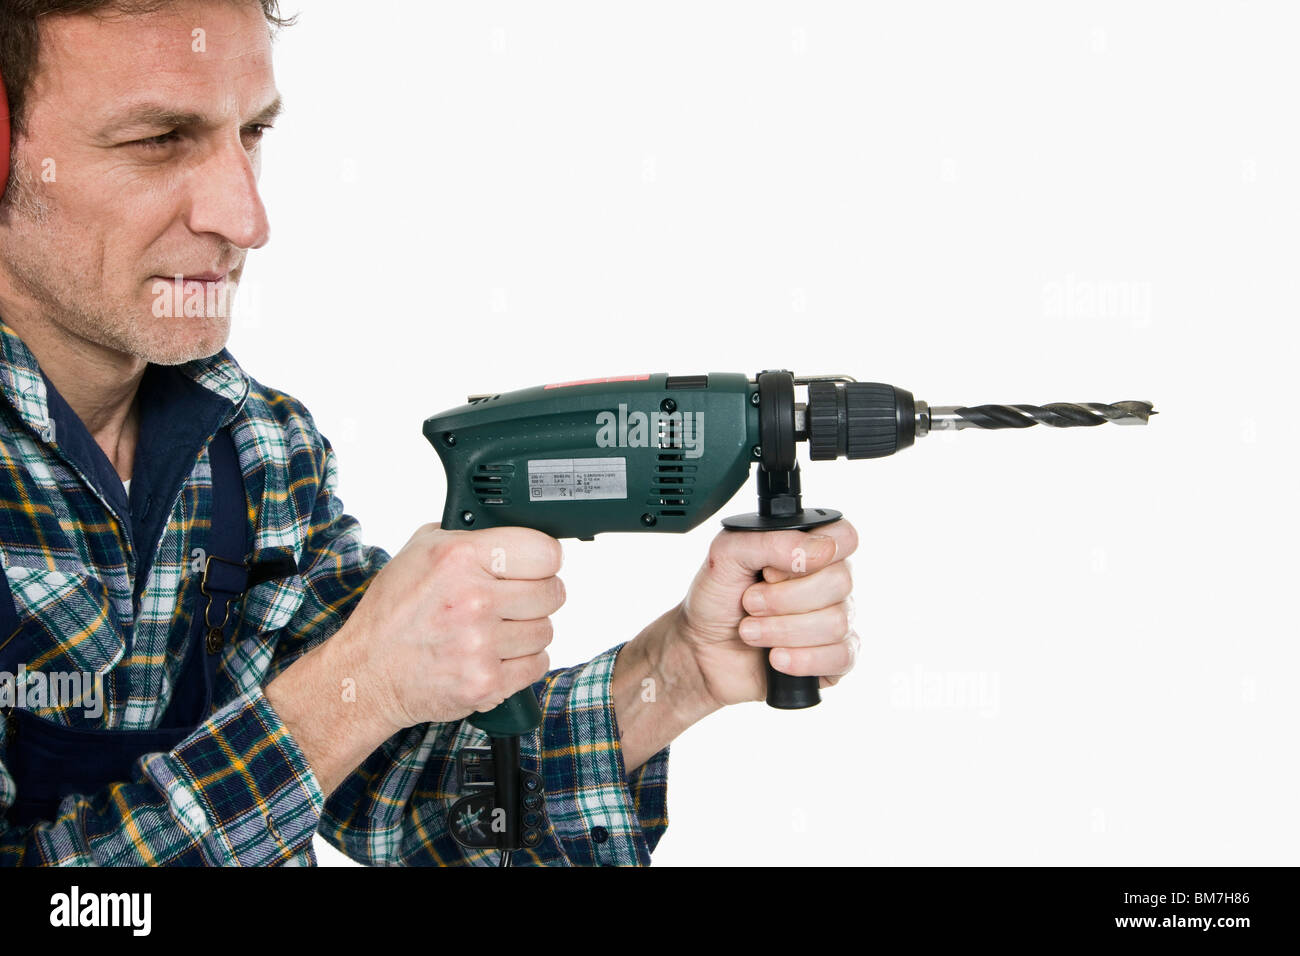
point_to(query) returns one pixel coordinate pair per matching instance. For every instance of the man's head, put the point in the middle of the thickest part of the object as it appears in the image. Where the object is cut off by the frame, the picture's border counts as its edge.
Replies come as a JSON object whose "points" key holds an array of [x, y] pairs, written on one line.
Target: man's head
{"points": [[136, 128]]}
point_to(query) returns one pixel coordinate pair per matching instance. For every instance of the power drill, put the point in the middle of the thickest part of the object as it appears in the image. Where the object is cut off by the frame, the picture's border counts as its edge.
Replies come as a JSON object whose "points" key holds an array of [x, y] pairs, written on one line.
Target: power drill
{"points": [[659, 452]]}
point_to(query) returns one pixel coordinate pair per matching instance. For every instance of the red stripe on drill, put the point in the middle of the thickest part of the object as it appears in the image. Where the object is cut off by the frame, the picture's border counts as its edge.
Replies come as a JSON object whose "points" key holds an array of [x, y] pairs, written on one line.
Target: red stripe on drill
{"points": [[600, 381]]}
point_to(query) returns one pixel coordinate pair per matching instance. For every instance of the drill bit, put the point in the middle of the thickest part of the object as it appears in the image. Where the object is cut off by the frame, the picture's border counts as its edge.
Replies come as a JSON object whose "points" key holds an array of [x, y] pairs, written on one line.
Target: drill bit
{"points": [[1056, 415]]}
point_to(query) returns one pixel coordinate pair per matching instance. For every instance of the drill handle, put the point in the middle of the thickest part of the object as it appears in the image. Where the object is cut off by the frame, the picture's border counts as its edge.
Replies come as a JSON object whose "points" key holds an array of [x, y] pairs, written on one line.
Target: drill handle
{"points": [[788, 692], [517, 715], [780, 507]]}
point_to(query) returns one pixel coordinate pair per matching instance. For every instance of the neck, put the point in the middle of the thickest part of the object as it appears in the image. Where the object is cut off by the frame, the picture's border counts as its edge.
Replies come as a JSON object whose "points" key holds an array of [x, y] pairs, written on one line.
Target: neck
{"points": [[99, 383]]}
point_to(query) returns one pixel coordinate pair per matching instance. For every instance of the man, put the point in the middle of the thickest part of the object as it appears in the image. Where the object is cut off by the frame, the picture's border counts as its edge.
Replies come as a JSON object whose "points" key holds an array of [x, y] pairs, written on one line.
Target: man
{"points": [[335, 702]]}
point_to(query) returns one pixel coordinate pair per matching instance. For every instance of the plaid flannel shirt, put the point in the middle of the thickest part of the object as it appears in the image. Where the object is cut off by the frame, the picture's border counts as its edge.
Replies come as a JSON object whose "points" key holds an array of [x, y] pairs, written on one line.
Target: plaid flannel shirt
{"points": [[100, 576]]}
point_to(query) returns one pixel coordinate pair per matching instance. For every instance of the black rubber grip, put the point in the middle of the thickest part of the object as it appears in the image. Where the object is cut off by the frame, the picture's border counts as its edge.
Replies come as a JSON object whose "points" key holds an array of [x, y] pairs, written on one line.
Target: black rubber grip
{"points": [[787, 692]]}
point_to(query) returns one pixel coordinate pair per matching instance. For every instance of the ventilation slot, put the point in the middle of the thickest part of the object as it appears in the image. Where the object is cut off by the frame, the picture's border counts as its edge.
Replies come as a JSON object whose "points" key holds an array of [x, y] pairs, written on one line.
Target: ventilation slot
{"points": [[671, 486], [492, 484]]}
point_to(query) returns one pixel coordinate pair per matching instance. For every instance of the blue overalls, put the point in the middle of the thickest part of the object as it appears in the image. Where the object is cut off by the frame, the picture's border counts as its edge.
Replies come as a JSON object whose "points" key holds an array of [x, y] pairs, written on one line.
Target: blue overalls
{"points": [[47, 760]]}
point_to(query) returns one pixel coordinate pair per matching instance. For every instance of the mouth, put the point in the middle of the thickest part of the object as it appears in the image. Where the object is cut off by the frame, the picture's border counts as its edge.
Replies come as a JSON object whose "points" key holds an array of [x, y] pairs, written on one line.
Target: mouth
{"points": [[211, 277]]}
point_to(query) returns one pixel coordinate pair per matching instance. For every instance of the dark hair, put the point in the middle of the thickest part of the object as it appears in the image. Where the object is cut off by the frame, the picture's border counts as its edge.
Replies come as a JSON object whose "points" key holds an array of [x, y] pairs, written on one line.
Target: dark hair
{"points": [[20, 38]]}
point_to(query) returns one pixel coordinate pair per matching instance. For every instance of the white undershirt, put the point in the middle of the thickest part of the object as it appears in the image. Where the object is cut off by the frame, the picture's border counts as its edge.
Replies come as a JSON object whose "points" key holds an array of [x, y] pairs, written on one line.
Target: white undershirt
{"points": [[127, 485]]}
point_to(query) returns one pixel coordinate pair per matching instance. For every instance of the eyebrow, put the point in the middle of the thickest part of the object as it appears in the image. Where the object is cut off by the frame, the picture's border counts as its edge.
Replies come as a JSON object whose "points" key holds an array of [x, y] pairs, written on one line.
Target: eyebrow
{"points": [[157, 115]]}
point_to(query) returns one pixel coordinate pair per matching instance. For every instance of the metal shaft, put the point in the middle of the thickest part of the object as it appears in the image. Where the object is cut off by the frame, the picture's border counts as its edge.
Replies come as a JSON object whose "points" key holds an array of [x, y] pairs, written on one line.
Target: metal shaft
{"points": [[1055, 415]]}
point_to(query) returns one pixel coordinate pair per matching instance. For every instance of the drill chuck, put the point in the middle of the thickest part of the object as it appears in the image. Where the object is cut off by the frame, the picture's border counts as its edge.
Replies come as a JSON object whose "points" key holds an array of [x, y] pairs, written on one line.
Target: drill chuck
{"points": [[858, 420]]}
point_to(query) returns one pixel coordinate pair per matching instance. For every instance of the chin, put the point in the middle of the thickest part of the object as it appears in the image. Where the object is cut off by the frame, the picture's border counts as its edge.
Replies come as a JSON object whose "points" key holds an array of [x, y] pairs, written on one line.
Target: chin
{"points": [[176, 346]]}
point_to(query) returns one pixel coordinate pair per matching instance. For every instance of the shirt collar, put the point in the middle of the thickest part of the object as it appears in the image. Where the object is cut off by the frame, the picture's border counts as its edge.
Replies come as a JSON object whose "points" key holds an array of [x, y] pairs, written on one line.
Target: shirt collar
{"points": [[24, 386]]}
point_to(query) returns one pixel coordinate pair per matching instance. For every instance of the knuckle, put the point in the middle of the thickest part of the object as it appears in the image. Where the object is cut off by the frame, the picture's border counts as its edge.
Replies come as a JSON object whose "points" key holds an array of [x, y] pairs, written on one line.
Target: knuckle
{"points": [[546, 630], [730, 546], [841, 619], [463, 550], [781, 547], [474, 642], [452, 555], [477, 601], [543, 665], [468, 603], [853, 537], [479, 683]]}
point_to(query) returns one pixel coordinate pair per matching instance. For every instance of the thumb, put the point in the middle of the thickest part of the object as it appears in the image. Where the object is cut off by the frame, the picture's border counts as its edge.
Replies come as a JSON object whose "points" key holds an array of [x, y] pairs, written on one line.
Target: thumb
{"points": [[742, 554]]}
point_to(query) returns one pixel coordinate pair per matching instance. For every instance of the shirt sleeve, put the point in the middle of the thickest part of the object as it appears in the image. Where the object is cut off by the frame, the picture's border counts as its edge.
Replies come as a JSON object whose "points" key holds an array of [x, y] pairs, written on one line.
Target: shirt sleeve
{"points": [[393, 809], [235, 792]]}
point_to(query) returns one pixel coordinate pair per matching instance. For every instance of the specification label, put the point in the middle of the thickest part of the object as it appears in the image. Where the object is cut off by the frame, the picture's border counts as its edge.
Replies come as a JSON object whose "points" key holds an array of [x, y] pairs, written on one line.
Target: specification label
{"points": [[576, 479]]}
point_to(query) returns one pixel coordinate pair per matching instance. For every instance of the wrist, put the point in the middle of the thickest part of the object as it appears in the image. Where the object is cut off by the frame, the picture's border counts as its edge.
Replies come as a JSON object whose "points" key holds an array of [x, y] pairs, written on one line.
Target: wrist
{"points": [[332, 705], [659, 666]]}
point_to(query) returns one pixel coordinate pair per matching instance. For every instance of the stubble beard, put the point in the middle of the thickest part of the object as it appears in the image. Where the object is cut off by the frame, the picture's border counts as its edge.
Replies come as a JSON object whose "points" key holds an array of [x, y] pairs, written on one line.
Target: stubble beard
{"points": [[36, 259]]}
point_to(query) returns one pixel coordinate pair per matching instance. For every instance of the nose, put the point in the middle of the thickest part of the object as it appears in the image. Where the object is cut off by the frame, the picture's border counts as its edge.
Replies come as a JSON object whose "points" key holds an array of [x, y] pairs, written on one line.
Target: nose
{"points": [[225, 201]]}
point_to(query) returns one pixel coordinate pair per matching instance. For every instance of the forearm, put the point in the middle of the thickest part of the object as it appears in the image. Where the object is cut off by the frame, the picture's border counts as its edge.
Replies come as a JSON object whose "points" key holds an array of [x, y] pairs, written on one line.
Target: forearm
{"points": [[328, 705], [658, 691]]}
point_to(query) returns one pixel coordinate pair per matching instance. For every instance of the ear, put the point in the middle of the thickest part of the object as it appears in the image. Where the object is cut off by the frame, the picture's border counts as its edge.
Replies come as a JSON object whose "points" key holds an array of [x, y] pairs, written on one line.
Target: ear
{"points": [[4, 137]]}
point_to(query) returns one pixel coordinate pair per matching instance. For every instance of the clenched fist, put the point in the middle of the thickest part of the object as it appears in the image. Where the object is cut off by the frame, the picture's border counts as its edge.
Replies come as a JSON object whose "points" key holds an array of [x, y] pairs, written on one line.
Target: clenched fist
{"points": [[799, 613], [457, 621]]}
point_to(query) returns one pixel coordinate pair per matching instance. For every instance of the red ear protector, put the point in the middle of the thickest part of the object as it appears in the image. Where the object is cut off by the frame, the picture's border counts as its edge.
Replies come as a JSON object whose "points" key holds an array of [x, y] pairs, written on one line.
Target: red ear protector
{"points": [[4, 136]]}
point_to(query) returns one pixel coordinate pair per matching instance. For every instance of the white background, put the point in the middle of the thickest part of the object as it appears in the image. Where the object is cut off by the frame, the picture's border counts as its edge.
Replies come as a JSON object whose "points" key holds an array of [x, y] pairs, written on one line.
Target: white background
{"points": [[1078, 646]]}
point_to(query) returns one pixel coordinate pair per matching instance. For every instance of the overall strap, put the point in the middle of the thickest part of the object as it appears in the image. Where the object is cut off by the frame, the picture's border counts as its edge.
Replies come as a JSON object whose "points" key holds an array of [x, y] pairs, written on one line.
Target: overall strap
{"points": [[228, 539], [10, 641], [222, 580]]}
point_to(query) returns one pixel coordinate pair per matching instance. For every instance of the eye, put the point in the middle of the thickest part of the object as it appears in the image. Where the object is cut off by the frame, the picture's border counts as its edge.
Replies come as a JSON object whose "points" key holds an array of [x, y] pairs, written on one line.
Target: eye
{"points": [[157, 142], [257, 130]]}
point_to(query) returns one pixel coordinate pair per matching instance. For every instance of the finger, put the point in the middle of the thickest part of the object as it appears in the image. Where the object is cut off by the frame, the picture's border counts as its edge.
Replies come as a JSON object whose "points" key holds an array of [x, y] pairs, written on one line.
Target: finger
{"points": [[798, 595], [517, 674], [525, 600], [828, 660], [824, 626], [518, 553], [522, 672], [516, 639]]}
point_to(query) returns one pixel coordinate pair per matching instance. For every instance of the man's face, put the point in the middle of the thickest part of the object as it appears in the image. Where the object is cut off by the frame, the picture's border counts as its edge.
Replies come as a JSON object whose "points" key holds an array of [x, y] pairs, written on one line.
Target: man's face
{"points": [[140, 164]]}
